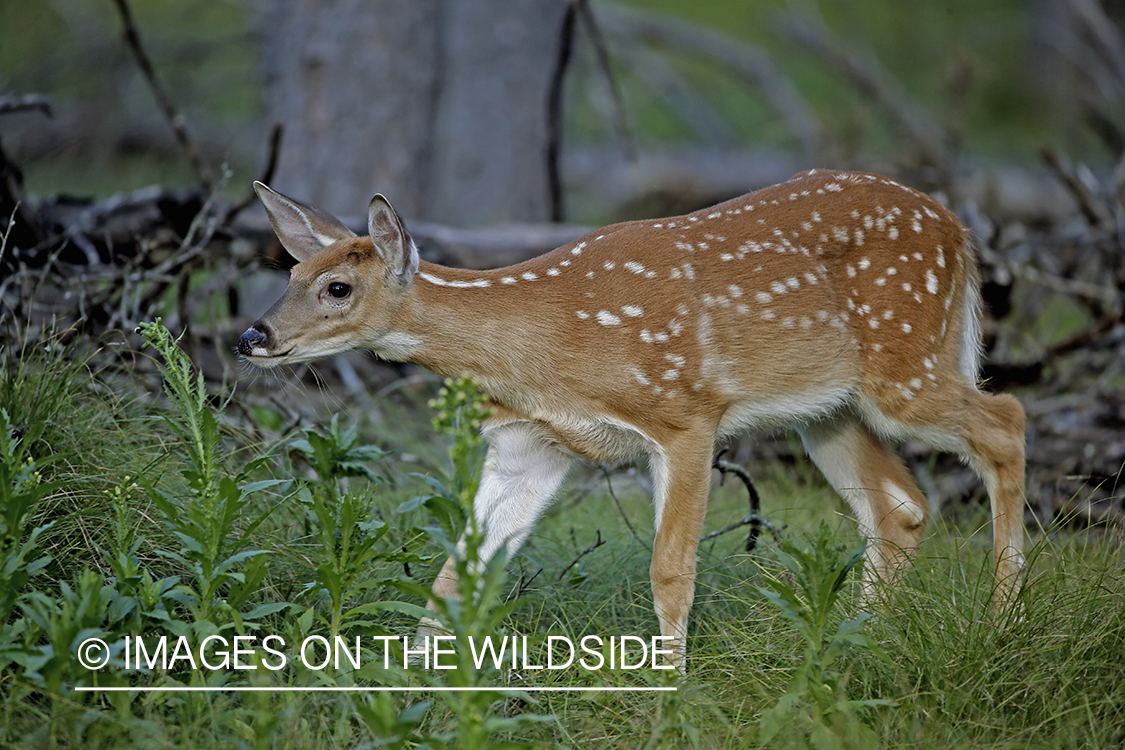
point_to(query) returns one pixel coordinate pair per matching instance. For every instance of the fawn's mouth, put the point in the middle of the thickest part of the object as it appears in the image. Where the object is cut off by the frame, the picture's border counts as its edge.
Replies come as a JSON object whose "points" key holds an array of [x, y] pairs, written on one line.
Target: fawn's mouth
{"points": [[267, 360]]}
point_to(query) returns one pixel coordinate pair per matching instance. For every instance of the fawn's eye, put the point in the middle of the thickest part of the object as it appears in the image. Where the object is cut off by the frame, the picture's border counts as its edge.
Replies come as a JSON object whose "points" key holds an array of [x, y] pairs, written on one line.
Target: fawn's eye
{"points": [[339, 289]]}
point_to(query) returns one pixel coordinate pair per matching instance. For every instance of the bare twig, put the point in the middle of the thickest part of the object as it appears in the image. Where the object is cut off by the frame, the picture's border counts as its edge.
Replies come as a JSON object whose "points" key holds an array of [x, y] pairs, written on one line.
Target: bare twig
{"points": [[8, 230], [754, 519], [601, 49], [597, 543], [1087, 201], [752, 537], [525, 584], [266, 177], [26, 103], [167, 106], [1104, 293], [609, 485], [555, 114]]}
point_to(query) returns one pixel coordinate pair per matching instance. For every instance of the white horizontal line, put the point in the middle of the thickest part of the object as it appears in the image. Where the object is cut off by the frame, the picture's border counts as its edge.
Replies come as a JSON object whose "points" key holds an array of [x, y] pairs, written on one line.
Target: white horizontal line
{"points": [[358, 689]]}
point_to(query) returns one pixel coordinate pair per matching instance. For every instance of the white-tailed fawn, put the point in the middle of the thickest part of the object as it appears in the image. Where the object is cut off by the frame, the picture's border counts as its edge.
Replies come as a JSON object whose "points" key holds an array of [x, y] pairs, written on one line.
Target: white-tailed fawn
{"points": [[843, 304]]}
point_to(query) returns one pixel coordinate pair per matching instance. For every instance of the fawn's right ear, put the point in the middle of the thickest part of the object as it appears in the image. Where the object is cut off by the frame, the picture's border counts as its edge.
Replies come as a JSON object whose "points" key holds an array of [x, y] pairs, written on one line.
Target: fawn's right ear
{"points": [[302, 229]]}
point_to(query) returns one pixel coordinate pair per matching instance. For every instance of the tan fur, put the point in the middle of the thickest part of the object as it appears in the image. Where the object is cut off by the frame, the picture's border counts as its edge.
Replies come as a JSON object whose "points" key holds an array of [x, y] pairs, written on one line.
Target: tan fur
{"points": [[842, 303]]}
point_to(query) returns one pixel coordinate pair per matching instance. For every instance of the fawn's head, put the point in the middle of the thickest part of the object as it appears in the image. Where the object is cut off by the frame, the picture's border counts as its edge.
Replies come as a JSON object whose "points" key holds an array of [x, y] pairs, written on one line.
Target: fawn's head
{"points": [[344, 290]]}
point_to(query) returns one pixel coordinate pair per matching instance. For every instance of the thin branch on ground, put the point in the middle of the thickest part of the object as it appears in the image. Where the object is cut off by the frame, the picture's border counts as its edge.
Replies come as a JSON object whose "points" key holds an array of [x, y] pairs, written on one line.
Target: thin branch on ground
{"points": [[754, 519], [621, 510], [597, 543], [525, 584]]}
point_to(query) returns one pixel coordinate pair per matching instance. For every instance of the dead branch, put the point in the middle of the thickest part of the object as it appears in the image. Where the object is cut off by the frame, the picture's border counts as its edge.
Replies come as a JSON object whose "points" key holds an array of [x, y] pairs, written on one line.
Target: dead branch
{"points": [[597, 543], [555, 113], [272, 156], [754, 519], [1073, 181], [524, 584], [167, 106], [28, 103], [601, 50], [621, 510]]}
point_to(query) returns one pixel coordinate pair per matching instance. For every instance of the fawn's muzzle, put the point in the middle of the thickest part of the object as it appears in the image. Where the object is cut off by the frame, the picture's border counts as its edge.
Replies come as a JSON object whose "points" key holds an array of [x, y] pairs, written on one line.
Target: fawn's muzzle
{"points": [[253, 338]]}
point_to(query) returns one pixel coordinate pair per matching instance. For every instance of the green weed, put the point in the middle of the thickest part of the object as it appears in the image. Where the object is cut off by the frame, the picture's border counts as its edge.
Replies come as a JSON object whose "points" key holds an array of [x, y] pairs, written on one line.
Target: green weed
{"points": [[212, 526], [815, 709], [478, 611]]}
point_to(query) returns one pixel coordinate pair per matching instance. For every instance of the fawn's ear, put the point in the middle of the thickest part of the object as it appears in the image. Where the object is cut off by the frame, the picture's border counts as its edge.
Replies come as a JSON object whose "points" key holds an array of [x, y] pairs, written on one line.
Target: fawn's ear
{"points": [[302, 229], [392, 241]]}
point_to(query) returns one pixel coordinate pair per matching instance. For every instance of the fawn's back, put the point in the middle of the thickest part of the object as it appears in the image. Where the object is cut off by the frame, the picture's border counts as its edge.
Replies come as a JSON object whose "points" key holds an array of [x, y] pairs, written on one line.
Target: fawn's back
{"points": [[778, 306]]}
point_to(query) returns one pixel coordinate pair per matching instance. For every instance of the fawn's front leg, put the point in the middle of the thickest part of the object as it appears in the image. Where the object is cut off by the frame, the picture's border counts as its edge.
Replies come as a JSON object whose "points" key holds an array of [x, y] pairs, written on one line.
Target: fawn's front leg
{"points": [[681, 472]]}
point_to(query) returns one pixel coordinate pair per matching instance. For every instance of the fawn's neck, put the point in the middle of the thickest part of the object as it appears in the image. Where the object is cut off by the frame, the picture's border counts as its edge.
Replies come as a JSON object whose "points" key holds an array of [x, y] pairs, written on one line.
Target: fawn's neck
{"points": [[458, 321]]}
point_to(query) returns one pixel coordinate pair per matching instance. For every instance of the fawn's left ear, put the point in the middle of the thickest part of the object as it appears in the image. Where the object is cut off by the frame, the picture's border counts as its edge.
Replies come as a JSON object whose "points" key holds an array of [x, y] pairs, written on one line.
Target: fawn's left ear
{"points": [[392, 241], [303, 229]]}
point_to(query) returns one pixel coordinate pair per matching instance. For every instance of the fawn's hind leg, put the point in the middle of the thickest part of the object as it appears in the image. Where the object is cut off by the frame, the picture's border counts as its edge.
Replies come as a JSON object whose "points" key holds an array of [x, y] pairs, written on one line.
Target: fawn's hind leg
{"points": [[890, 508], [987, 431]]}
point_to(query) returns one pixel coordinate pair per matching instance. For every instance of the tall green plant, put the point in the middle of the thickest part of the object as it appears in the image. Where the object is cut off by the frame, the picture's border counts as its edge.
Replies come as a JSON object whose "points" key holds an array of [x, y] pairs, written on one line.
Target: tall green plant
{"points": [[21, 488], [350, 549], [478, 611], [815, 710], [147, 602], [215, 522]]}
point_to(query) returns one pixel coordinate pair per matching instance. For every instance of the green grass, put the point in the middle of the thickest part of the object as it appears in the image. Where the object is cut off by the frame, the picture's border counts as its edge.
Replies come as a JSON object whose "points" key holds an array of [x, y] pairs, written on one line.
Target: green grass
{"points": [[338, 546]]}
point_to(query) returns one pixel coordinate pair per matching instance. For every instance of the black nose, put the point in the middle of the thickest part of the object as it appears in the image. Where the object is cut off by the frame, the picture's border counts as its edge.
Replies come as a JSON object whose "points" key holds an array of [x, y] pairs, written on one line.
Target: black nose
{"points": [[254, 337]]}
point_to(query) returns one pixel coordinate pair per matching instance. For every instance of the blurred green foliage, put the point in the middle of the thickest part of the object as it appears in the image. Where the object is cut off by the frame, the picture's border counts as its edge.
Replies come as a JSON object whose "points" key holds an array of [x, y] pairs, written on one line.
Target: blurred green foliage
{"points": [[207, 54]]}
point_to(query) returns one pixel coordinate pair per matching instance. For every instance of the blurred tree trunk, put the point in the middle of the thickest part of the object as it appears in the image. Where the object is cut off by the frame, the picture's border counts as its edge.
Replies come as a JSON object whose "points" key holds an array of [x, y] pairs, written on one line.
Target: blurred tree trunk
{"points": [[440, 104]]}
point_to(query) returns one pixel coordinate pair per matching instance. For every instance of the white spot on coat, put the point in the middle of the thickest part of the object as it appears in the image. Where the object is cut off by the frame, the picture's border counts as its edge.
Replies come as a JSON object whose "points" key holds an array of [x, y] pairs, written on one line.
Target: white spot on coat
{"points": [[606, 318]]}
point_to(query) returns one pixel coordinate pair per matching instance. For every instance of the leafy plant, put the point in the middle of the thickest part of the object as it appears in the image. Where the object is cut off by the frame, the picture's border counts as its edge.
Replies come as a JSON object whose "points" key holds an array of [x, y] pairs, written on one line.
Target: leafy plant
{"points": [[21, 487], [349, 535], [145, 602], [211, 524], [815, 709], [338, 454], [477, 611]]}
